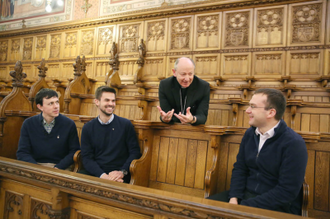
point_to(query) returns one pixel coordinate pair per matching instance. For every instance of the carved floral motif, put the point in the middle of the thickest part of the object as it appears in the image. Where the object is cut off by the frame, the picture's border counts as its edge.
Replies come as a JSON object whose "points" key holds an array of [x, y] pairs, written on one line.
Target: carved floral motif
{"points": [[3, 50], [41, 208], [270, 26], [306, 23], [13, 202], [207, 25], [41, 42], [156, 30], [27, 48], [70, 39], [237, 29], [15, 45], [129, 38], [180, 33], [87, 42], [55, 46]]}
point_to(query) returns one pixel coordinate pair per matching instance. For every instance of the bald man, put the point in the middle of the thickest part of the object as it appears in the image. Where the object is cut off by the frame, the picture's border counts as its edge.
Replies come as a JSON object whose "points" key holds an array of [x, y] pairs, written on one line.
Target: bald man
{"points": [[183, 97]]}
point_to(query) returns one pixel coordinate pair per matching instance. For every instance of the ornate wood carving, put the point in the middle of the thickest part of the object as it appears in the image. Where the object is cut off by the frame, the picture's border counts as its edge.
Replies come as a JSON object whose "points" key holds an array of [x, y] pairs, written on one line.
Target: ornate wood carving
{"points": [[208, 31], [13, 205], [180, 33], [18, 75], [79, 66], [305, 63], [112, 78], [87, 42], [156, 35], [3, 50], [140, 62], [55, 46], [41, 208], [270, 26], [307, 23], [269, 64], [236, 29], [235, 65], [128, 38], [105, 39], [27, 48], [70, 44]]}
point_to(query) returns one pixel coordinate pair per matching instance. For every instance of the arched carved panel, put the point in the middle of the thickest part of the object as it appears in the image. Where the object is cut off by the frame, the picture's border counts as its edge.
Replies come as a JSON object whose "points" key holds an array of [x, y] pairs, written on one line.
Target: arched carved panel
{"points": [[105, 39], [207, 65], [270, 26], [154, 68], [155, 35], [3, 50], [40, 47], [42, 210], [180, 33], [237, 29], [101, 69], [129, 36], [307, 22], [268, 64], [302, 63], [235, 65], [27, 48], [13, 205], [87, 42], [55, 46], [207, 33], [70, 44], [15, 50]]}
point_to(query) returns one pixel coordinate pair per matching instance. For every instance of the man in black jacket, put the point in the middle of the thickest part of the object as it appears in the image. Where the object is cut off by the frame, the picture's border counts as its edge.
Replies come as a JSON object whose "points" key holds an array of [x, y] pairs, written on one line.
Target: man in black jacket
{"points": [[184, 97]]}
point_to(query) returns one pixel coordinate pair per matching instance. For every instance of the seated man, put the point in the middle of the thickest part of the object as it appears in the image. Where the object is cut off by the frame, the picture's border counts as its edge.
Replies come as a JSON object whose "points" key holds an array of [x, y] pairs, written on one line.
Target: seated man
{"points": [[108, 142], [271, 162], [184, 95], [49, 138]]}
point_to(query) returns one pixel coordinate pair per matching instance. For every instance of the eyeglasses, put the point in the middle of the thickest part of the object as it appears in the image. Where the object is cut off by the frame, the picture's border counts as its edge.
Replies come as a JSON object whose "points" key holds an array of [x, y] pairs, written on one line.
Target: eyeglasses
{"points": [[254, 107]]}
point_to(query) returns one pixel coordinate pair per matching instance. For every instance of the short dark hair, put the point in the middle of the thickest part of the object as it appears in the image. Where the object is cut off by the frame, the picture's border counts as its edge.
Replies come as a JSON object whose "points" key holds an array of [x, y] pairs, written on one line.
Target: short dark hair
{"points": [[45, 93], [100, 90], [275, 100]]}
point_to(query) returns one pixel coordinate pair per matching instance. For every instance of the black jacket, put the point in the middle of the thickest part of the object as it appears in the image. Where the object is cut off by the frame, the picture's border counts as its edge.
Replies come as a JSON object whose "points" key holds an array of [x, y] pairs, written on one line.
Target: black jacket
{"points": [[198, 98]]}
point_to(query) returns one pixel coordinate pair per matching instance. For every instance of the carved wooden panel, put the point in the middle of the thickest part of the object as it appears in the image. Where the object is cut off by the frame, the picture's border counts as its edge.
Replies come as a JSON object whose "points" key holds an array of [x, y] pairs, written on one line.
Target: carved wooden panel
{"points": [[302, 63], [327, 62], [128, 110], [207, 66], [268, 64], [321, 199], [270, 26], [180, 33], [13, 205], [40, 47], [90, 70], [15, 49], [54, 71], [153, 68], [29, 72], [27, 48], [102, 68], [127, 68], [312, 119], [156, 35], [70, 44], [129, 37], [4, 73], [237, 27], [55, 45], [312, 97], [220, 114], [3, 50], [328, 25], [67, 71], [306, 23], [87, 42], [81, 215], [207, 31], [104, 40], [42, 210], [235, 65]]}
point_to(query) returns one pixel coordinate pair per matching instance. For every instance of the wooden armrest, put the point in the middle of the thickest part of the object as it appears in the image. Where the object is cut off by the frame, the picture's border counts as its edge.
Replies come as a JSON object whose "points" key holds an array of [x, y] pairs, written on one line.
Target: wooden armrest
{"points": [[77, 161]]}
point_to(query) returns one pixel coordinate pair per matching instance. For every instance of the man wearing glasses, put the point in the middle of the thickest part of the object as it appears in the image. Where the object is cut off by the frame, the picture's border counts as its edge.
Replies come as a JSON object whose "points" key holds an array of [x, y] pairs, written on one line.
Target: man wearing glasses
{"points": [[271, 162]]}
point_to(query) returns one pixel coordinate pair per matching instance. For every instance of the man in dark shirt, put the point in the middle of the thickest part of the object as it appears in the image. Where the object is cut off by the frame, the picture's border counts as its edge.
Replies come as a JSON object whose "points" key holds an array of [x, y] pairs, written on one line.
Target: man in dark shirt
{"points": [[184, 97], [272, 159], [49, 138], [108, 142]]}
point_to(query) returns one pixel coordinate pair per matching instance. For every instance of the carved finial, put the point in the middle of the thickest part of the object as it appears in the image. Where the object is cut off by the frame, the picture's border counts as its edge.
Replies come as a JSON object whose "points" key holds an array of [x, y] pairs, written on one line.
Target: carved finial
{"points": [[42, 69], [77, 67], [142, 53], [83, 65], [23, 24], [114, 62], [18, 75]]}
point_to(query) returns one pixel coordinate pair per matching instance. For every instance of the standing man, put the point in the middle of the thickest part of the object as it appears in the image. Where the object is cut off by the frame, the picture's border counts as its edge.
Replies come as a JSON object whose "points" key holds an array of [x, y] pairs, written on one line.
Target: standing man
{"points": [[49, 139], [108, 142], [184, 97], [271, 162]]}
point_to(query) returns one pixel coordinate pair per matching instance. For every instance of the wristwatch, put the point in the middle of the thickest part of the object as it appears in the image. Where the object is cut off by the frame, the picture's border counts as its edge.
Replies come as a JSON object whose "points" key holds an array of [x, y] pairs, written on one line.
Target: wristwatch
{"points": [[124, 172]]}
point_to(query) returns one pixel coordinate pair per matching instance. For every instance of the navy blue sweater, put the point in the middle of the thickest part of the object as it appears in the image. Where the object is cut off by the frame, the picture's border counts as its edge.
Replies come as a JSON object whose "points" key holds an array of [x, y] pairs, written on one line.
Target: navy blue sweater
{"points": [[276, 174], [37, 146], [105, 148]]}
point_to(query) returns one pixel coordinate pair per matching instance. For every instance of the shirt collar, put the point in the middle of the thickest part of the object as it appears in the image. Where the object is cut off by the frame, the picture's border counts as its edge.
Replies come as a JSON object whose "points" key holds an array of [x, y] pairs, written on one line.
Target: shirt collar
{"points": [[44, 122], [108, 122], [270, 133]]}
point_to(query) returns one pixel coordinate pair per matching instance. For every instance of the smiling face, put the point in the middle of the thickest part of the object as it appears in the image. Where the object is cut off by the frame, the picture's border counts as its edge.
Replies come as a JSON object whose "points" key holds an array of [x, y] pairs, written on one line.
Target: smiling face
{"points": [[50, 108], [106, 103], [258, 115], [184, 72]]}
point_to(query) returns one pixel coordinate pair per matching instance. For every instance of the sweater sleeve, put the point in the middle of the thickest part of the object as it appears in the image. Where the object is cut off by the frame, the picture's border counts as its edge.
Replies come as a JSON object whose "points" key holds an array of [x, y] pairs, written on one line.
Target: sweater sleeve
{"points": [[73, 145], [132, 146], [291, 177], [24, 152], [240, 173], [88, 154], [203, 107]]}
